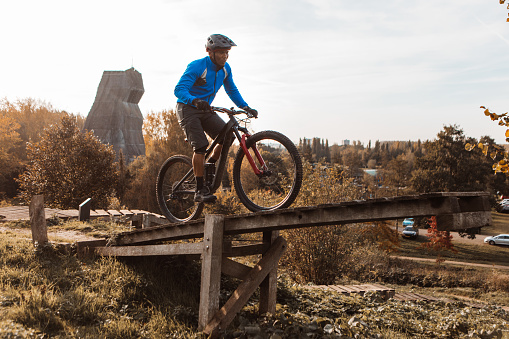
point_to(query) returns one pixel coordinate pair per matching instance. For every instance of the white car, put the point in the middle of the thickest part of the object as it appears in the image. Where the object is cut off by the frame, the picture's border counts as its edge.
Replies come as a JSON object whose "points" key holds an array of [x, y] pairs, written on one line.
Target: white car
{"points": [[410, 232], [501, 239]]}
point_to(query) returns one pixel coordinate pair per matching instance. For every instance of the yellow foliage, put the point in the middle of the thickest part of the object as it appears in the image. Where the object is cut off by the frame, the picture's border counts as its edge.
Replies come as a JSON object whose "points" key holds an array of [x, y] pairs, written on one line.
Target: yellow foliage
{"points": [[494, 150]]}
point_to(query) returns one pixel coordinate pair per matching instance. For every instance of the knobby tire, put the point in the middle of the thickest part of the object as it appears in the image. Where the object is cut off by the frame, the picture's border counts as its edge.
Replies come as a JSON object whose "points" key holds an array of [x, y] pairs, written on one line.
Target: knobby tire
{"points": [[175, 206], [278, 190]]}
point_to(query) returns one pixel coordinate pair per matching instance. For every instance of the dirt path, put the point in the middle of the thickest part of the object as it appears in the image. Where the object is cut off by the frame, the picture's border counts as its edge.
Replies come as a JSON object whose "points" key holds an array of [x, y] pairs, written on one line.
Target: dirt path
{"points": [[55, 235], [501, 267]]}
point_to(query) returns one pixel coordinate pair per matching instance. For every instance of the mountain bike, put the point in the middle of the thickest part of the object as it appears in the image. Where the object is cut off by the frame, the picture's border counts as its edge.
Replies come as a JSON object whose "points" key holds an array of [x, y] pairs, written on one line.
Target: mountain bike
{"points": [[267, 171]]}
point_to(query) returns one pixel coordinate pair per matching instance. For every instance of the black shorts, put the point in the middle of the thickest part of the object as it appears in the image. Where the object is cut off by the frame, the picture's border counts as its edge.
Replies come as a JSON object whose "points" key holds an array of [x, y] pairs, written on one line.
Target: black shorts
{"points": [[195, 123]]}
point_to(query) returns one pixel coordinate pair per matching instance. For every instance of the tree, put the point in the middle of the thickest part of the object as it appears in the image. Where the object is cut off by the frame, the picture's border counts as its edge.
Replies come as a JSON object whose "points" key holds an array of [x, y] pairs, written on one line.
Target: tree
{"points": [[397, 173], [163, 138], [439, 241], [68, 166], [490, 148], [445, 166], [26, 118], [9, 140]]}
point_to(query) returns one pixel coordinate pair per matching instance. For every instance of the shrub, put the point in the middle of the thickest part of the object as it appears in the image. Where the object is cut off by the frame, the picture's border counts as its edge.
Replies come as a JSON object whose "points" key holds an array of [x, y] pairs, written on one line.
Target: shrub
{"points": [[69, 166]]}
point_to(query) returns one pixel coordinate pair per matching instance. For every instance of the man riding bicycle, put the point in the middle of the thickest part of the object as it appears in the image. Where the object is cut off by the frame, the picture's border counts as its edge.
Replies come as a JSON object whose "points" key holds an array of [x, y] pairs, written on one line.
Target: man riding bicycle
{"points": [[195, 91]]}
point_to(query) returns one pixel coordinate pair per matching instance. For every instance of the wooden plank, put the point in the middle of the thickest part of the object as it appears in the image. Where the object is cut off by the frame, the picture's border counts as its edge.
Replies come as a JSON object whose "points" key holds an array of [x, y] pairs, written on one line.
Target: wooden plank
{"points": [[346, 288], [114, 213], [84, 248], [234, 268], [101, 213], [139, 212], [211, 268], [68, 213], [127, 213], [151, 250], [94, 214], [339, 289], [332, 214], [227, 313]]}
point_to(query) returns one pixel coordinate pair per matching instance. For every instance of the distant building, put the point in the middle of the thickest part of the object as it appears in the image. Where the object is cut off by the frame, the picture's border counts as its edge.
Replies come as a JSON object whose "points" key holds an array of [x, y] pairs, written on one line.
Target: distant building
{"points": [[346, 142], [115, 117]]}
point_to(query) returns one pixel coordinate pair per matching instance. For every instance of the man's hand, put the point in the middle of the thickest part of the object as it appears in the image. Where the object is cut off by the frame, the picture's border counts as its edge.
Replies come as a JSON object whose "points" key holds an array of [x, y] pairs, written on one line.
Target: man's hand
{"points": [[251, 111], [202, 105]]}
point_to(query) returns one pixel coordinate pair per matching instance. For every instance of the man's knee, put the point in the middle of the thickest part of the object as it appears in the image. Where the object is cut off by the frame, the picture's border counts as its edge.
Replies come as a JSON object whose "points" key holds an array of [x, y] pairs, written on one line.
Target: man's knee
{"points": [[201, 150]]}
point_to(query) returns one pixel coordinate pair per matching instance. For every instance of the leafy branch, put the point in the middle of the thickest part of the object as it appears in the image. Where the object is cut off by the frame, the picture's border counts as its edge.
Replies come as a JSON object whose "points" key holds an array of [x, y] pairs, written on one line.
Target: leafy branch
{"points": [[502, 2], [492, 150]]}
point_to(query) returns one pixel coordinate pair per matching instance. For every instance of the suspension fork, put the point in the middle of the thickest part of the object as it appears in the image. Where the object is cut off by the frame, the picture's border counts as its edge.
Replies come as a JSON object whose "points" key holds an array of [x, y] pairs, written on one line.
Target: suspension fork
{"points": [[250, 159]]}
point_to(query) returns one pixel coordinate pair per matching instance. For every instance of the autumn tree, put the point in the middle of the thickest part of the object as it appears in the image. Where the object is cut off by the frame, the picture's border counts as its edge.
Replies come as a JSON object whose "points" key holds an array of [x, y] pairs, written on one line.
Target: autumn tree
{"points": [[489, 148], [68, 166], [446, 166], [438, 241], [163, 138], [26, 118], [9, 140]]}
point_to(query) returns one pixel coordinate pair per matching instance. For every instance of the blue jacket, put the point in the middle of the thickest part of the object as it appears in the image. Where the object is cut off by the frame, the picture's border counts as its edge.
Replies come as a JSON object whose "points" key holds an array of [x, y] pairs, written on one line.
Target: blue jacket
{"points": [[202, 80]]}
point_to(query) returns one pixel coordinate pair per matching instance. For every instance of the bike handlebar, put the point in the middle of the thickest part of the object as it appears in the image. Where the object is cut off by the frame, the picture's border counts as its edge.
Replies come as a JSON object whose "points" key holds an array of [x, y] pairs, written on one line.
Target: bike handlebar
{"points": [[231, 111]]}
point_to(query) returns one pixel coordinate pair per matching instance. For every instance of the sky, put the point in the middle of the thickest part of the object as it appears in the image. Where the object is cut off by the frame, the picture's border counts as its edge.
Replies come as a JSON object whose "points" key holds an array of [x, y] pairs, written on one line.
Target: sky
{"points": [[333, 69]]}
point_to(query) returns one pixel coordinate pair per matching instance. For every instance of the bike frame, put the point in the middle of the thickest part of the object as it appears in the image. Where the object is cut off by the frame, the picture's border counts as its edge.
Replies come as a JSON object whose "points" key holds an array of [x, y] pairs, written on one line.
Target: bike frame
{"points": [[231, 126]]}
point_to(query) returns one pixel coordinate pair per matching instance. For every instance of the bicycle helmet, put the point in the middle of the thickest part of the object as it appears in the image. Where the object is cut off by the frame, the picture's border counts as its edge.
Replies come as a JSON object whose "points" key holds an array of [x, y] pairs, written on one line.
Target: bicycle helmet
{"points": [[216, 41]]}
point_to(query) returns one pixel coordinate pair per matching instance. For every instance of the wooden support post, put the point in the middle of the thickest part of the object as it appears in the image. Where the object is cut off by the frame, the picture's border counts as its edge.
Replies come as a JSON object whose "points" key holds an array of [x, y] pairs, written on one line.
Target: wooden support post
{"points": [[268, 288], [38, 220], [137, 220], [227, 313], [211, 268], [84, 211]]}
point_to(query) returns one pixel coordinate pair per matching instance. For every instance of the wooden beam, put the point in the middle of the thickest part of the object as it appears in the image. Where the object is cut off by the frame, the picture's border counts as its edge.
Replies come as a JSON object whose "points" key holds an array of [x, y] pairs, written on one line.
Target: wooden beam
{"points": [[234, 268], [151, 250], [268, 287], [243, 250], [227, 313], [331, 214], [211, 268], [84, 248]]}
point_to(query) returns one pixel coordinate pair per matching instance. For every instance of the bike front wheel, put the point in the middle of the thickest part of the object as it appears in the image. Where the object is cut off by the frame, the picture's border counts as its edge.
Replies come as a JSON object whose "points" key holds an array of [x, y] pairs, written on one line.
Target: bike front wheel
{"points": [[175, 189], [281, 180]]}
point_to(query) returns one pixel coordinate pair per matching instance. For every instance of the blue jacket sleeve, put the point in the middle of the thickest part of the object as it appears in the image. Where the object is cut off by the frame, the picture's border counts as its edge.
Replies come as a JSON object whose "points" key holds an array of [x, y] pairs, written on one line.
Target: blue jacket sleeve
{"points": [[233, 92], [182, 90]]}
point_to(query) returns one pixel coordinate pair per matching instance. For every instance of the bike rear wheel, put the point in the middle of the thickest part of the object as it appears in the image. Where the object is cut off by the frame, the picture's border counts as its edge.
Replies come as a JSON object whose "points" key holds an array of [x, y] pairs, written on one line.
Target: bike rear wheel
{"points": [[279, 187], [177, 203]]}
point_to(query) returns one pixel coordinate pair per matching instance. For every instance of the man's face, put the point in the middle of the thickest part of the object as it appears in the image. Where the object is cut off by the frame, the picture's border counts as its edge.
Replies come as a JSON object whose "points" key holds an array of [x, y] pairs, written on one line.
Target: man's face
{"points": [[219, 55]]}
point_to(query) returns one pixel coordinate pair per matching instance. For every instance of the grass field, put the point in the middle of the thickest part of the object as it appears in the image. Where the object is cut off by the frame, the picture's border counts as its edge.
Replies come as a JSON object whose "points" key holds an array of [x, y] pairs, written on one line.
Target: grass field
{"points": [[482, 254], [476, 253]]}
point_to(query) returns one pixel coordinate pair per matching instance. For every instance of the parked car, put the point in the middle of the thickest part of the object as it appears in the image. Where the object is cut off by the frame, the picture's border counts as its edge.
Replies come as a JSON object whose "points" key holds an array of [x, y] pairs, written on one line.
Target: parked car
{"points": [[410, 232], [503, 208], [408, 222], [504, 202], [501, 239]]}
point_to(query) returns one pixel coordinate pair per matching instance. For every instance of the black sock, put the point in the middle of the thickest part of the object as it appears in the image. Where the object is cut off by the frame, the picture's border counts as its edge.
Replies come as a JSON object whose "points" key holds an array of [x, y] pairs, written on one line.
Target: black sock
{"points": [[199, 183]]}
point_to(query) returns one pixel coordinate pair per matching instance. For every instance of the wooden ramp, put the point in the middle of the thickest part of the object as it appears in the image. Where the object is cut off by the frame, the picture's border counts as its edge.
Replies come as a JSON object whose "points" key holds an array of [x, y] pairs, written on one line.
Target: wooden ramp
{"points": [[385, 292], [453, 211], [138, 217]]}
